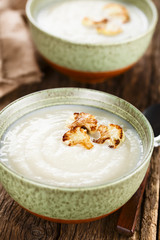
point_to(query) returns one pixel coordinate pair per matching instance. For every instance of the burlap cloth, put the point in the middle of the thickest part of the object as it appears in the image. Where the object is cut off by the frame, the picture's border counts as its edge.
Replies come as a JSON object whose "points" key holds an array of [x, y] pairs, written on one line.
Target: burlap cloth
{"points": [[18, 63]]}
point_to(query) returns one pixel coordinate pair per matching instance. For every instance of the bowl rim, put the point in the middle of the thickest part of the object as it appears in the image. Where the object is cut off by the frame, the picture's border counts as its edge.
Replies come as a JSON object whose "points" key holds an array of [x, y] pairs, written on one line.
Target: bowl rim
{"points": [[84, 188], [149, 29]]}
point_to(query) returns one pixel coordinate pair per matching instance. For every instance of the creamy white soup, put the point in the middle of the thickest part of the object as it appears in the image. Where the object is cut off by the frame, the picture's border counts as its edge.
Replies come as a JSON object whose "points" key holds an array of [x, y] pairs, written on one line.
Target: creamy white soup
{"points": [[33, 147], [64, 19]]}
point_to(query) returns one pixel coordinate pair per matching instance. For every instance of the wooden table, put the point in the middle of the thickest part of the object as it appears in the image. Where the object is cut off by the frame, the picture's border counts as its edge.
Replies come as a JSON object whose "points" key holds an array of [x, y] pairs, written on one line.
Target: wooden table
{"points": [[141, 87]]}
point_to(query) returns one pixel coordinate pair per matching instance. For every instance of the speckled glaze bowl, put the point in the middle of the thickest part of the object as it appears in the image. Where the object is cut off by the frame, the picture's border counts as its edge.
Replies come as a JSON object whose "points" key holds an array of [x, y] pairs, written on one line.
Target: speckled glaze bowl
{"points": [[75, 204], [91, 63]]}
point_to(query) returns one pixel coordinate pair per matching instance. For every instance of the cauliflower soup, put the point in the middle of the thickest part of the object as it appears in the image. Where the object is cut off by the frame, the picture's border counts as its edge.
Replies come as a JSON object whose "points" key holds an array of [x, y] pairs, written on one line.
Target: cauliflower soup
{"points": [[33, 146], [92, 21]]}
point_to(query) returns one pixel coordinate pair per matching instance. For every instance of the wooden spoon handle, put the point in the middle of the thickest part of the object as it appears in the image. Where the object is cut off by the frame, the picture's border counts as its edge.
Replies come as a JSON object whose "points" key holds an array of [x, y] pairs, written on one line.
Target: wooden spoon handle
{"points": [[130, 211]]}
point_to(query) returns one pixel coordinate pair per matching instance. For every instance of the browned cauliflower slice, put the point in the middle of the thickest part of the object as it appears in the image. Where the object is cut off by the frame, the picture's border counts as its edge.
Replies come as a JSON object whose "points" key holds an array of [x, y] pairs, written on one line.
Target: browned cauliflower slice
{"points": [[112, 133], [117, 11], [116, 135], [110, 29], [104, 134], [77, 135], [91, 23], [84, 120]]}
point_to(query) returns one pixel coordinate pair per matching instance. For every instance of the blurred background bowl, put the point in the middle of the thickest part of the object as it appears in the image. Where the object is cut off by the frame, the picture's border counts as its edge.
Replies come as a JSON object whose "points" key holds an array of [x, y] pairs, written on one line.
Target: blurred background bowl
{"points": [[91, 63]]}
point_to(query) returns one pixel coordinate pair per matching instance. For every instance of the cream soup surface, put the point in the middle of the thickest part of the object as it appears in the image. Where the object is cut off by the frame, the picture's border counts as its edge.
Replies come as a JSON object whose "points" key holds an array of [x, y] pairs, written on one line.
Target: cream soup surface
{"points": [[33, 147], [64, 20]]}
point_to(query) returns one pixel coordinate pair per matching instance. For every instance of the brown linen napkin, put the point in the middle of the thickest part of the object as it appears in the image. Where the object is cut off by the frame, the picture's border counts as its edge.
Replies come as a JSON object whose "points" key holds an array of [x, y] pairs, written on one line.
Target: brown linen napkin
{"points": [[4, 4], [17, 57], [17, 4], [14, 4]]}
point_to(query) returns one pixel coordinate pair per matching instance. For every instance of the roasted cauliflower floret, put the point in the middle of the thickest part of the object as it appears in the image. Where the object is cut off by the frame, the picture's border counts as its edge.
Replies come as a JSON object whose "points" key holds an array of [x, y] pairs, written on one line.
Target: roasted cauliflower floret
{"points": [[116, 135], [84, 120], [77, 135], [117, 11], [91, 23], [110, 29], [113, 134], [104, 134]]}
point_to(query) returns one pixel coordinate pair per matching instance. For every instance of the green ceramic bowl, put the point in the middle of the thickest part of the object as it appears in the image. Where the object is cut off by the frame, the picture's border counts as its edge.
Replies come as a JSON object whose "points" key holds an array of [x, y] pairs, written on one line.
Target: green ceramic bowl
{"points": [[75, 204], [91, 62]]}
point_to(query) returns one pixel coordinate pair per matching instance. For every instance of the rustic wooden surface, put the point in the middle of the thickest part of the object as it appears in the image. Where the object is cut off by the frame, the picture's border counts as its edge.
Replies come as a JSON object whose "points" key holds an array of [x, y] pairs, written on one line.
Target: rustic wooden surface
{"points": [[141, 87]]}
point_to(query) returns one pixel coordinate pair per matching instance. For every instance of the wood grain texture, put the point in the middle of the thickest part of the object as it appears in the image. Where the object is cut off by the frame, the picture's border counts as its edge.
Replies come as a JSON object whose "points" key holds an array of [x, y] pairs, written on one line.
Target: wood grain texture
{"points": [[130, 211], [151, 200], [141, 87]]}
